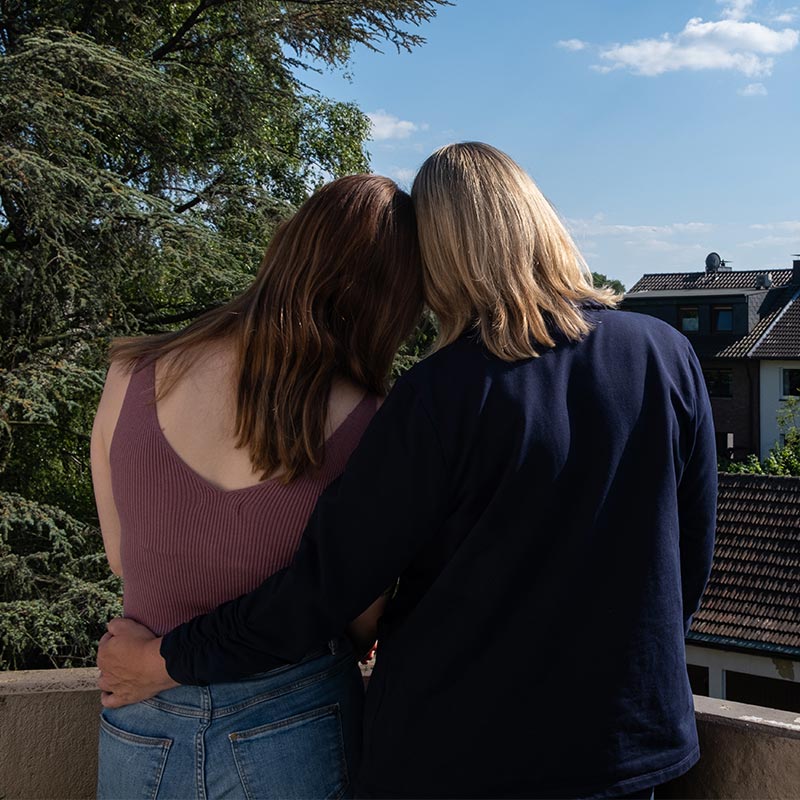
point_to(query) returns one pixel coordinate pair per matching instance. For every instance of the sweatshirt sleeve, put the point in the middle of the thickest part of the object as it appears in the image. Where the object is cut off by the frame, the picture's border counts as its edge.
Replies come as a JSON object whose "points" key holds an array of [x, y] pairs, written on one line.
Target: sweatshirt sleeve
{"points": [[365, 530], [697, 499]]}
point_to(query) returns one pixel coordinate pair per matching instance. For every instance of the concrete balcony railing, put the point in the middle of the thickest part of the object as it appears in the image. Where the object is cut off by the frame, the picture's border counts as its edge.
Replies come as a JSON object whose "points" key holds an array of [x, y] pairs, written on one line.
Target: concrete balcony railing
{"points": [[49, 721]]}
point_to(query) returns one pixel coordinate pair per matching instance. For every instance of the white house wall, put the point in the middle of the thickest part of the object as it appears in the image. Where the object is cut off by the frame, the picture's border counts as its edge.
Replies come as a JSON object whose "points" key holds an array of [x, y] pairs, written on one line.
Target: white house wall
{"points": [[771, 387], [720, 661]]}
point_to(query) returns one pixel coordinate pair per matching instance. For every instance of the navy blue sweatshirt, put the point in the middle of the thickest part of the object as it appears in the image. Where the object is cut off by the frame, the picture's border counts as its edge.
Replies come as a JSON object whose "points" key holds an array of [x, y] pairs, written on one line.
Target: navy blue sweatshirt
{"points": [[552, 524]]}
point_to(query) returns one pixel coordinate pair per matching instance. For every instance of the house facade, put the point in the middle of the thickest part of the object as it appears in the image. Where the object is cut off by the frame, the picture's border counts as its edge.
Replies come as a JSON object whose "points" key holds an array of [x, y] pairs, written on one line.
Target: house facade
{"points": [[745, 328], [744, 644]]}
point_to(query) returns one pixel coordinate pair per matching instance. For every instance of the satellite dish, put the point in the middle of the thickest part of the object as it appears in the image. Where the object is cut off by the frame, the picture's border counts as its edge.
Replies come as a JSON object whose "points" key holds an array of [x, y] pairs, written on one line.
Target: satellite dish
{"points": [[713, 262]]}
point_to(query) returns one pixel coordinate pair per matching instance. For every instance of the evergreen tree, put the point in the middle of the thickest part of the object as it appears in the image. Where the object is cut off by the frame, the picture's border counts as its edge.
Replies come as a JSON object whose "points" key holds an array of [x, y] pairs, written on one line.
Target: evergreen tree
{"points": [[147, 150]]}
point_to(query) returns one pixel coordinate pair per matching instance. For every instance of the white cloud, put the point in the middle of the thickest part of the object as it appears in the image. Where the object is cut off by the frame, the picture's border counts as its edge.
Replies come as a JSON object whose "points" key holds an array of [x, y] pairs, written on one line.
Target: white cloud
{"points": [[572, 44], [785, 233], [753, 90], [691, 227], [771, 241], [402, 175], [788, 225], [597, 227], [786, 17], [655, 245], [387, 126], [735, 9], [746, 47], [730, 43]]}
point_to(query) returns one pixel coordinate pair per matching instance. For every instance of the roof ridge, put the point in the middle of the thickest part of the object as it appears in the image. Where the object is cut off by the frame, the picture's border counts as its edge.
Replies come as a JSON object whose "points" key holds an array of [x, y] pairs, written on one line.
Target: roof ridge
{"points": [[725, 272], [774, 321], [749, 476]]}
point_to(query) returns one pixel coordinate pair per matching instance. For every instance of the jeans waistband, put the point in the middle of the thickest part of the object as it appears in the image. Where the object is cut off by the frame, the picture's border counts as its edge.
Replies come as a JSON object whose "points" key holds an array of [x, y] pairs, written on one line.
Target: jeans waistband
{"points": [[223, 698]]}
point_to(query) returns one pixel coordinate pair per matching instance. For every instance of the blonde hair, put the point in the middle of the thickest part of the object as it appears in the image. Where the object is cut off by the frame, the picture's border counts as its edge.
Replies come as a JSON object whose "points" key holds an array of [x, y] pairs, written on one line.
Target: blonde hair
{"points": [[496, 256]]}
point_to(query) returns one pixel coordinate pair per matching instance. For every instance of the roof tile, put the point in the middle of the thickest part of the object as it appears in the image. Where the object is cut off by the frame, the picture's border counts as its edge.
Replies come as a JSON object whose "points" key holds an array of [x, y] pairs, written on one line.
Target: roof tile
{"points": [[783, 339], [753, 595], [740, 279]]}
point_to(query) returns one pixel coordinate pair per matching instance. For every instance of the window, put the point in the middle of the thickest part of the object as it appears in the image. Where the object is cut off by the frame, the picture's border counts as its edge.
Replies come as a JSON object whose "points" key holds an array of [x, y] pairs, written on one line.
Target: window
{"points": [[721, 319], [791, 382], [689, 319], [759, 691], [698, 679], [719, 382]]}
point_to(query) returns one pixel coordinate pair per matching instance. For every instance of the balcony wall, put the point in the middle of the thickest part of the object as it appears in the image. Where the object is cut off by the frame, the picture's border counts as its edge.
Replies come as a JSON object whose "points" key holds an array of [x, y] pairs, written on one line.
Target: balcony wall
{"points": [[48, 732]]}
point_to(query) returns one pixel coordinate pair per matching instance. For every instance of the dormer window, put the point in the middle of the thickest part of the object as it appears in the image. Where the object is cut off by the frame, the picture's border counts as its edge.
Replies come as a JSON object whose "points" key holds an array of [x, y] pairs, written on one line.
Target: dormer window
{"points": [[721, 319], [689, 319]]}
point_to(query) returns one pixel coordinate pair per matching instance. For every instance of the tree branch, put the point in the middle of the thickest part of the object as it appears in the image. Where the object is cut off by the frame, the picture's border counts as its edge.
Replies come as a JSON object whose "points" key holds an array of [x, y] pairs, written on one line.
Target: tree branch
{"points": [[189, 204], [198, 198], [188, 24]]}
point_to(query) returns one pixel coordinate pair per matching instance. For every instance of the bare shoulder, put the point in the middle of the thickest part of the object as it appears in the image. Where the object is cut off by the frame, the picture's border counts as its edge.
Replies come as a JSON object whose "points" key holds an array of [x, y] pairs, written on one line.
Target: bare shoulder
{"points": [[345, 396], [116, 385]]}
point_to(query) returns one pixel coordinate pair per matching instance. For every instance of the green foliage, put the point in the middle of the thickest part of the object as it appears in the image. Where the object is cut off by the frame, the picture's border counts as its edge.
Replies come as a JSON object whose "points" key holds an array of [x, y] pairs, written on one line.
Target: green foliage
{"points": [[601, 280], [749, 466], [785, 460], [782, 459], [788, 418], [418, 346], [147, 152], [56, 592]]}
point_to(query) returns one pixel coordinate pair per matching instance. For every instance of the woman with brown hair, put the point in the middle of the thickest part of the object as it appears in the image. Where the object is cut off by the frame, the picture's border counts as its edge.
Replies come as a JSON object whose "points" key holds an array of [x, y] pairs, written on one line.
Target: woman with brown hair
{"points": [[209, 450]]}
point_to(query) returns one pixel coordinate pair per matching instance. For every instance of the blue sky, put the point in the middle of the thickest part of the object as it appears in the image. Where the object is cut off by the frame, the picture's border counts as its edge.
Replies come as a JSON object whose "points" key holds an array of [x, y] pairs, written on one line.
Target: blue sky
{"points": [[659, 130]]}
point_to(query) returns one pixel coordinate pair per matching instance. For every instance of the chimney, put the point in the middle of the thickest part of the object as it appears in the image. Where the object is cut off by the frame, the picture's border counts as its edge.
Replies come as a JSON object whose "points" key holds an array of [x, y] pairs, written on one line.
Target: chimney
{"points": [[796, 270]]}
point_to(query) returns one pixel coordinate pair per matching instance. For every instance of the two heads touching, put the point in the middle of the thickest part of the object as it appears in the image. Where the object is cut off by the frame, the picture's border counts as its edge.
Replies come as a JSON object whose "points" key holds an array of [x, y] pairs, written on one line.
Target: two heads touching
{"points": [[344, 281]]}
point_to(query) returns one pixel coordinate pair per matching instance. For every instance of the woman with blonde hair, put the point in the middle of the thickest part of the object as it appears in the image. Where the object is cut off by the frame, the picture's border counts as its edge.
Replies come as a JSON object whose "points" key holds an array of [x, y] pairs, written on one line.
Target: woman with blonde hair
{"points": [[210, 448], [544, 485]]}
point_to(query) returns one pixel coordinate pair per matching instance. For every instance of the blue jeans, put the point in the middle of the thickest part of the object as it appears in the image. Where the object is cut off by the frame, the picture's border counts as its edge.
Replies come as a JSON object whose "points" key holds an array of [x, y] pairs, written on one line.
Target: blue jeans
{"points": [[294, 732]]}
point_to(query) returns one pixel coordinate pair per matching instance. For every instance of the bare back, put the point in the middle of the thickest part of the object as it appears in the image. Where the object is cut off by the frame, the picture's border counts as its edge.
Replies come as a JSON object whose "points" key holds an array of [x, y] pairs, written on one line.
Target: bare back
{"points": [[198, 415]]}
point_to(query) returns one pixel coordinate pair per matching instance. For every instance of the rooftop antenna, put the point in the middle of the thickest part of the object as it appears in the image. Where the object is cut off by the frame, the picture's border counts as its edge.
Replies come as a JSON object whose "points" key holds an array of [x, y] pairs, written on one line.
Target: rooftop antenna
{"points": [[714, 263]]}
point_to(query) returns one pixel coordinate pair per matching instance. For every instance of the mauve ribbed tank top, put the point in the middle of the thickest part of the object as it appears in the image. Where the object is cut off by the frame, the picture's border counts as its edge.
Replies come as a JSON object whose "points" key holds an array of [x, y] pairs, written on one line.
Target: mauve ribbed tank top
{"points": [[187, 546]]}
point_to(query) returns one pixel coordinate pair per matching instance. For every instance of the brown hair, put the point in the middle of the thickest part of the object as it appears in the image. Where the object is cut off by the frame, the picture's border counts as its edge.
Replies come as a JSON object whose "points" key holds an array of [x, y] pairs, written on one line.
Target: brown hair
{"points": [[495, 254], [338, 290]]}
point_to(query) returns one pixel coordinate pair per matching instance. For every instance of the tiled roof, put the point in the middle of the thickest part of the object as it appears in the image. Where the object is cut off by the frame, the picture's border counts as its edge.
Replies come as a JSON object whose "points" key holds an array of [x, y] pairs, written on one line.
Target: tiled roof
{"points": [[752, 599], [763, 336], [739, 279], [783, 338], [775, 335]]}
